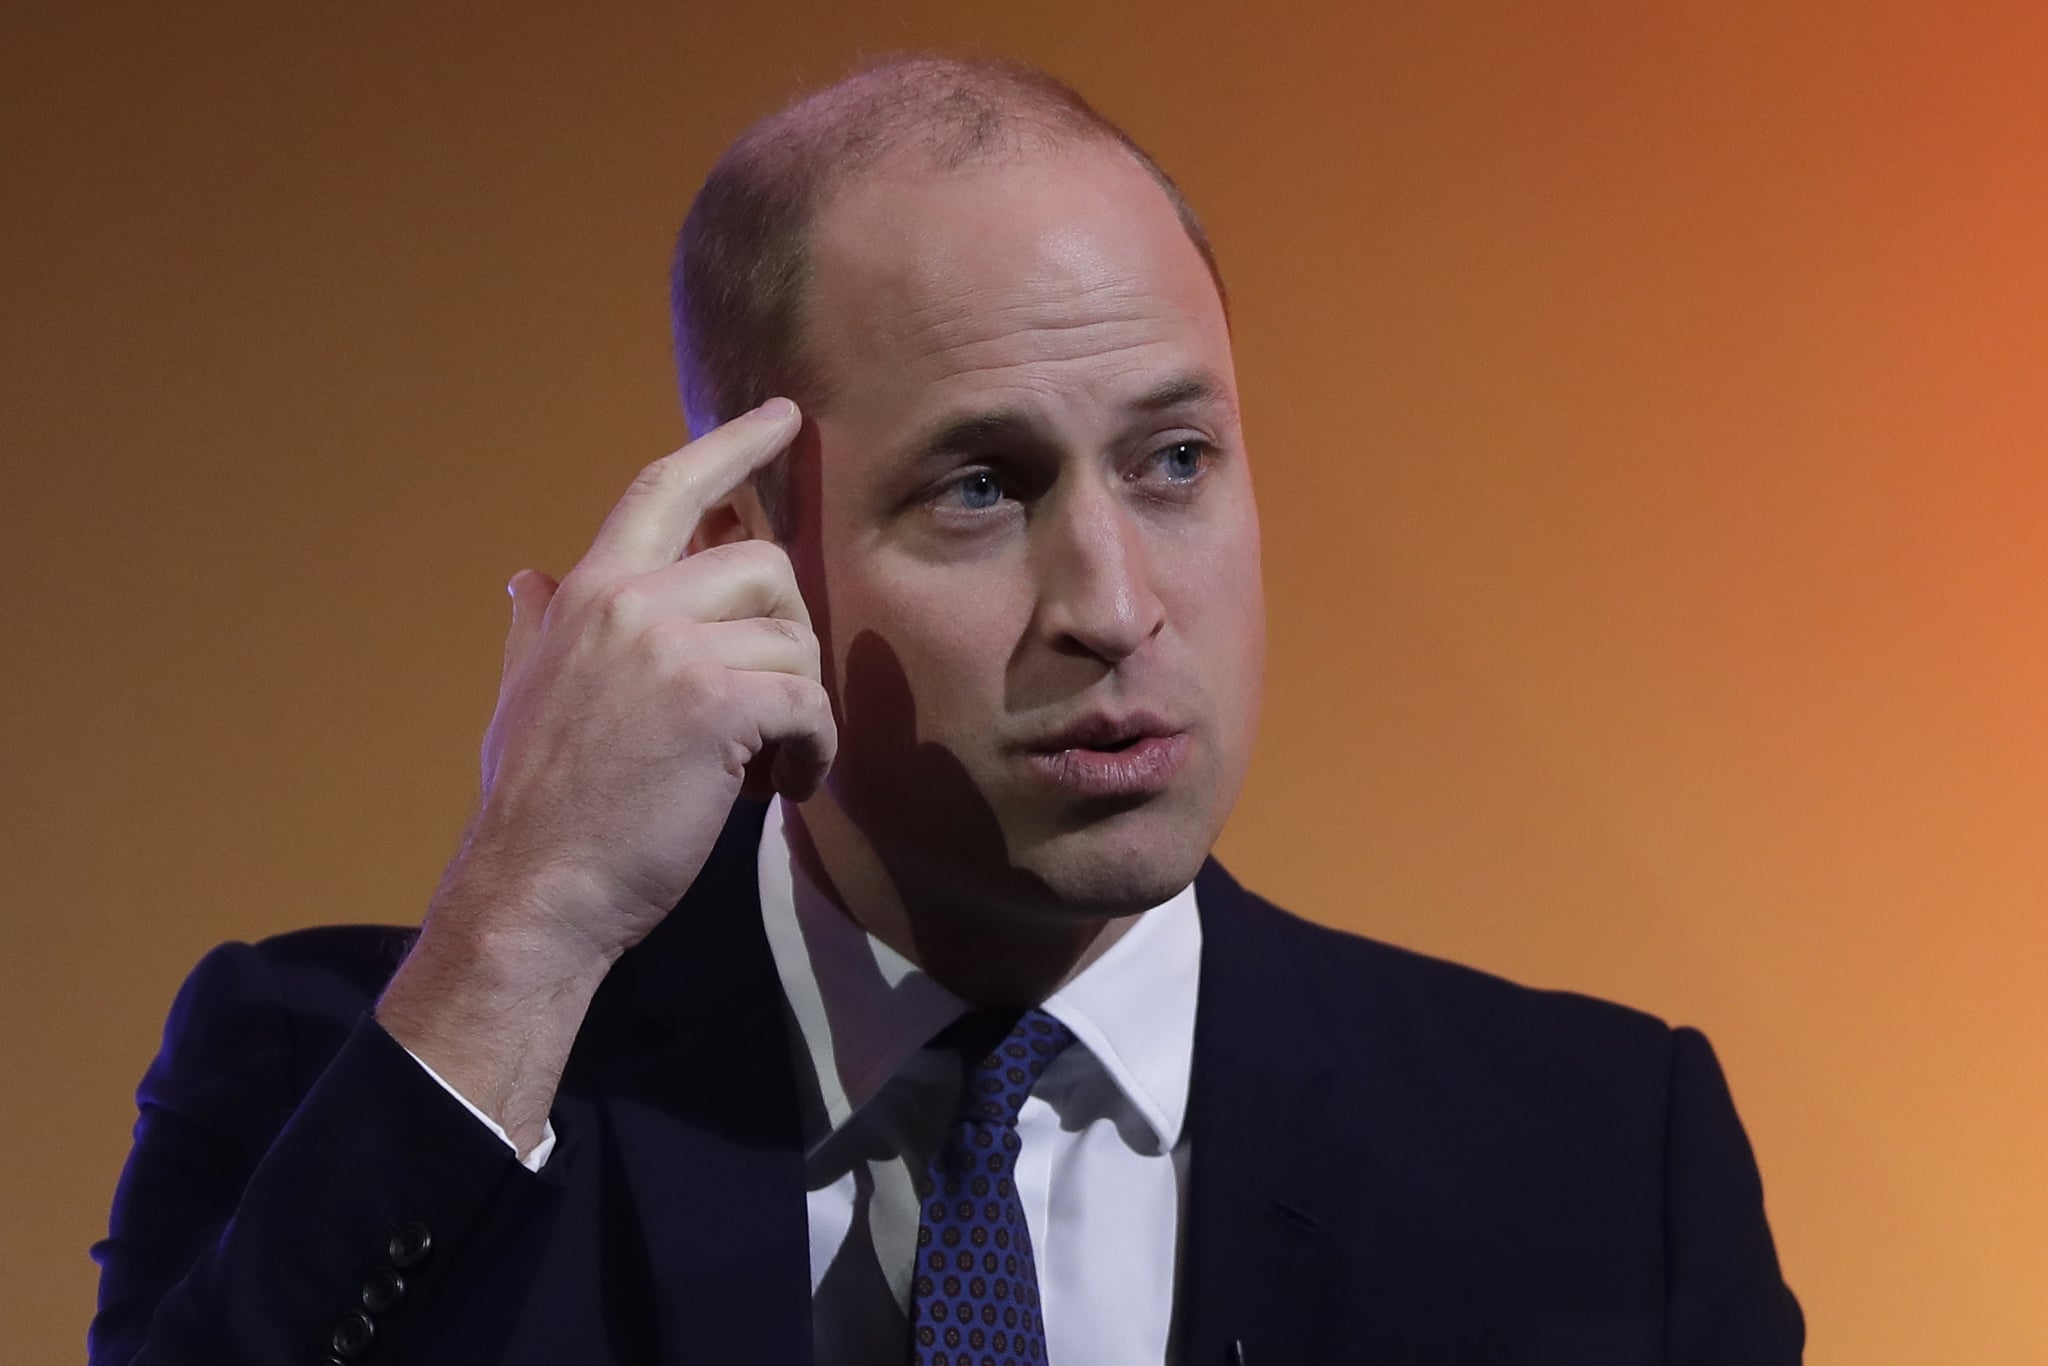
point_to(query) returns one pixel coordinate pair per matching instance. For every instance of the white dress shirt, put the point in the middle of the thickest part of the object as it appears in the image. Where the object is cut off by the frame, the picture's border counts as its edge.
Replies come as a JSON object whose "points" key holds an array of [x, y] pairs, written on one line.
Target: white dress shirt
{"points": [[1103, 1166], [1102, 1170]]}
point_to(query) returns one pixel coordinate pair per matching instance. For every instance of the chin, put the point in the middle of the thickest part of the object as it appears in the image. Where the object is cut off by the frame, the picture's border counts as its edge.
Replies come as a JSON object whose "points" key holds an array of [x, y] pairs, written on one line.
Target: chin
{"points": [[1119, 864]]}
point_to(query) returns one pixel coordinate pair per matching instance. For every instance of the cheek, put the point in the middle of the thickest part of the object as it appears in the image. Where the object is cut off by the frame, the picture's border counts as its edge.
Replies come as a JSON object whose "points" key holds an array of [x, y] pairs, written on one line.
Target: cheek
{"points": [[951, 632], [1222, 601], [1248, 592], [1214, 574]]}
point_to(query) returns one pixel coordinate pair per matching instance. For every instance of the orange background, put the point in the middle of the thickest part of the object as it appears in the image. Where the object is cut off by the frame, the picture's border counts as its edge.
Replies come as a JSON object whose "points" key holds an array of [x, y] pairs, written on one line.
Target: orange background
{"points": [[1648, 409]]}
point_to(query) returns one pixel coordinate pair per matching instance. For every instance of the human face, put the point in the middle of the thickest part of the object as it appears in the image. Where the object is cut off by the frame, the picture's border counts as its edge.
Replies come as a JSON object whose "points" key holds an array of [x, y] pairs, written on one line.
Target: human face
{"points": [[1029, 538]]}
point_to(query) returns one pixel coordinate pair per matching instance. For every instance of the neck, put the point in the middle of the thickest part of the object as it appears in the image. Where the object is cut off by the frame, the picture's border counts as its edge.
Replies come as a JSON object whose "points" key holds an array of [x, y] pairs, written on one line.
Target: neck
{"points": [[987, 950]]}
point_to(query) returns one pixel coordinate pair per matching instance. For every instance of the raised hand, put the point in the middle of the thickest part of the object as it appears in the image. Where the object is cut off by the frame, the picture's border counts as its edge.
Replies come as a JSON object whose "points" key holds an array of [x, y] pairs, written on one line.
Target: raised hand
{"points": [[637, 696]]}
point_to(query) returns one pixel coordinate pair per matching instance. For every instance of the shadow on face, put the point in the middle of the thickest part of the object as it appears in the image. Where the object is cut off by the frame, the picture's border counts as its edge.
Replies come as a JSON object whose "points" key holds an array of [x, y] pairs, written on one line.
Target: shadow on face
{"points": [[924, 821], [1037, 519], [910, 794]]}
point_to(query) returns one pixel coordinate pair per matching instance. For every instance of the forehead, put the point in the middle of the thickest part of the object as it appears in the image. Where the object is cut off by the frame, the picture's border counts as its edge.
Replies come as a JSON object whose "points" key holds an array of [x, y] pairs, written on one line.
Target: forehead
{"points": [[1063, 270]]}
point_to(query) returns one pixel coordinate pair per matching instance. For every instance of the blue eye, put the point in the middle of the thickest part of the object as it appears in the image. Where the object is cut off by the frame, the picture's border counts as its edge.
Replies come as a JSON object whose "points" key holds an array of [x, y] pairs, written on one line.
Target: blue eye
{"points": [[1182, 460], [980, 490]]}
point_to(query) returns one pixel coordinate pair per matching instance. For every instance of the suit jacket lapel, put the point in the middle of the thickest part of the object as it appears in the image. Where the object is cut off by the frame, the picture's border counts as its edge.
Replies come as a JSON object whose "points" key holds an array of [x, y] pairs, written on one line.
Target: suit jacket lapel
{"points": [[699, 1099], [1258, 1268], [688, 1053]]}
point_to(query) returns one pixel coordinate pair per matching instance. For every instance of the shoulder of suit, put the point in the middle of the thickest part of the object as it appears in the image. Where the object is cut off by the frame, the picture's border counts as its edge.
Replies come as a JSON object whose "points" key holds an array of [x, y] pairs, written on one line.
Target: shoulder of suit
{"points": [[341, 963], [1359, 982], [278, 1008]]}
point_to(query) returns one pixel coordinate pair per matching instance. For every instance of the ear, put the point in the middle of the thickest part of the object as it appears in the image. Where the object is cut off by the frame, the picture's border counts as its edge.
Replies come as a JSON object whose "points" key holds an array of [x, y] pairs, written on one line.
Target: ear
{"points": [[739, 516]]}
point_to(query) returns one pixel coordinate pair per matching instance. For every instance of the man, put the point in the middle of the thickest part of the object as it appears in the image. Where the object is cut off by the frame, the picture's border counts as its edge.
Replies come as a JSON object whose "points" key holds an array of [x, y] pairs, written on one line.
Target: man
{"points": [[957, 1049]]}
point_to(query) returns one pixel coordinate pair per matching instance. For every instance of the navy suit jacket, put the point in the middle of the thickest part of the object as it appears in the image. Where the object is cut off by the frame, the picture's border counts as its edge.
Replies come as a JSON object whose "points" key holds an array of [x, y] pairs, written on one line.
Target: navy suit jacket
{"points": [[1394, 1160]]}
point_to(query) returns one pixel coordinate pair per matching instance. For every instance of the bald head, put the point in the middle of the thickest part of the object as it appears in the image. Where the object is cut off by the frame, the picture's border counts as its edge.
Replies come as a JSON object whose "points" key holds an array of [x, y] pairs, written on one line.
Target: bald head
{"points": [[743, 260]]}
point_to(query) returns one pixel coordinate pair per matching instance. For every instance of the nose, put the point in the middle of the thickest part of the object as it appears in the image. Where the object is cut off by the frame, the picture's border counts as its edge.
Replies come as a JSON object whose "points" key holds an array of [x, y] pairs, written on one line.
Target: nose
{"points": [[1096, 591]]}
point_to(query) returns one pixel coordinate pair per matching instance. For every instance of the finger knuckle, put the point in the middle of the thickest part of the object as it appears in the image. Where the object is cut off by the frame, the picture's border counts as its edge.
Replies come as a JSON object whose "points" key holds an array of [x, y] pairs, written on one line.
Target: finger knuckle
{"points": [[670, 646], [764, 559], [789, 632], [622, 605], [698, 685], [657, 476], [807, 696], [812, 706]]}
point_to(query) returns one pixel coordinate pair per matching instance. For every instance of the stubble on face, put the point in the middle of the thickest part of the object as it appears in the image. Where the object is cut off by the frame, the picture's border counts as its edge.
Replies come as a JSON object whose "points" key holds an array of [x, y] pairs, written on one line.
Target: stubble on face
{"points": [[1028, 505]]}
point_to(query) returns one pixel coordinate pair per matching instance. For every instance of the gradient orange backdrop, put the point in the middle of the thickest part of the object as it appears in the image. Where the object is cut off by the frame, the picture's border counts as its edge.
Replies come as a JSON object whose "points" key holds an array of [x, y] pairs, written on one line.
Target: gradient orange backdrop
{"points": [[1647, 404]]}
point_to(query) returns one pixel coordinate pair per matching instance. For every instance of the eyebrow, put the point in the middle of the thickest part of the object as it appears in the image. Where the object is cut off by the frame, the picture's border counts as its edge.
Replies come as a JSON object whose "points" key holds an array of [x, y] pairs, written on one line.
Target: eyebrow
{"points": [[1195, 389], [976, 431]]}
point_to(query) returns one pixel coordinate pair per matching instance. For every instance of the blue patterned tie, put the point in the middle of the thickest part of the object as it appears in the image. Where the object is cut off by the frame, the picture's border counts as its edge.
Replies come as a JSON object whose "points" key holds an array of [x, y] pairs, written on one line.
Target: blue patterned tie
{"points": [[974, 1300]]}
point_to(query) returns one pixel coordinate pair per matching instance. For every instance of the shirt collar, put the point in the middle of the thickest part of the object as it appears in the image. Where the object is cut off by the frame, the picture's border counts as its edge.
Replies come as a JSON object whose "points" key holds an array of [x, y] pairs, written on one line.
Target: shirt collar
{"points": [[862, 1010]]}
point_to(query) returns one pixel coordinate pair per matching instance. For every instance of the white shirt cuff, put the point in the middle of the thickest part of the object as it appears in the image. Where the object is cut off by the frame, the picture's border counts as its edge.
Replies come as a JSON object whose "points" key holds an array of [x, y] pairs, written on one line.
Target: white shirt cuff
{"points": [[534, 1160]]}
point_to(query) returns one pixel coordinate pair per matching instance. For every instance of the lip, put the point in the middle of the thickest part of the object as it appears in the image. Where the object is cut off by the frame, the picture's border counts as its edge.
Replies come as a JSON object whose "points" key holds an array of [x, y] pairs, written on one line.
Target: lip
{"points": [[1101, 730], [1078, 763]]}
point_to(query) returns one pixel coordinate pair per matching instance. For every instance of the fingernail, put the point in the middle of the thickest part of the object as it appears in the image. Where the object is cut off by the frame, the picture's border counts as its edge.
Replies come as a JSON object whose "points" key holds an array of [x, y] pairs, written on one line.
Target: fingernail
{"points": [[777, 409]]}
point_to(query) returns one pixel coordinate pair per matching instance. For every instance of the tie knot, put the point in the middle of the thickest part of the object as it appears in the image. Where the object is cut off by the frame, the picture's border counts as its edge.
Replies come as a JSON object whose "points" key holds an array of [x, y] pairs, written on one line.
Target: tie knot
{"points": [[1006, 1055]]}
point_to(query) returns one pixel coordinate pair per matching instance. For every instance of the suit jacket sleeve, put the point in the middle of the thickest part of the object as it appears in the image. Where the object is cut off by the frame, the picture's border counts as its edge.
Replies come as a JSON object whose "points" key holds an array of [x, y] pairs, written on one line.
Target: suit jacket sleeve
{"points": [[288, 1152], [1727, 1303]]}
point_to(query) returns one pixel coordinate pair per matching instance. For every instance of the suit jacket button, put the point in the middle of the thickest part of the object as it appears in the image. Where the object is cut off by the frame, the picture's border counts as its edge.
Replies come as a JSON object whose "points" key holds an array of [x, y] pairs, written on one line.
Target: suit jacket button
{"points": [[410, 1246], [353, 1336], [383, 1292]]}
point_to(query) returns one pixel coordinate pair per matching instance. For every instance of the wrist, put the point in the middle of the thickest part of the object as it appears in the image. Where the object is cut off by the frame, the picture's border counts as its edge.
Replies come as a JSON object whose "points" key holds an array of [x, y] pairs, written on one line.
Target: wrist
{"points": [[530, 920], [492, 1003]]}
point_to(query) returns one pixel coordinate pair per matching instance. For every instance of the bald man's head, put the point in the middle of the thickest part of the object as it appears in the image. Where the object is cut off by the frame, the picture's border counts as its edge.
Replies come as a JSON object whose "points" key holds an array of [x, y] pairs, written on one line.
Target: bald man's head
{"points": [[743, 260]]}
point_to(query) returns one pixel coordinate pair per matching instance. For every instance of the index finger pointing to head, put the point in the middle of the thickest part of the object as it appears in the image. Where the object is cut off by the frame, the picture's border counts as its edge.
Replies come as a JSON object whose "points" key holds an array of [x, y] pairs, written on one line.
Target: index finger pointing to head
{"points": [[651, 524]]}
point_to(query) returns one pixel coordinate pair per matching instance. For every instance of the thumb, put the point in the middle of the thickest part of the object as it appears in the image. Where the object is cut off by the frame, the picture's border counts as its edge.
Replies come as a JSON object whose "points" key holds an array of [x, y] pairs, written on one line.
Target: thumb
{"points": [[531, 592]]}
